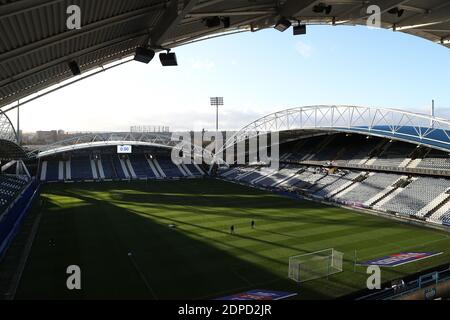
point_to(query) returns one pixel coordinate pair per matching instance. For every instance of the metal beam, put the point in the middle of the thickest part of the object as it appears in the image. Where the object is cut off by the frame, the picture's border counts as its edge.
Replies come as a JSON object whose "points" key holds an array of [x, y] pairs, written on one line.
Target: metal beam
{"points": [[435, 16], [198, 34], [292, 8], [176, 12], [64, 85], [65, 36], [232, 13], [385, 6], [75, 55], [19, 7]]}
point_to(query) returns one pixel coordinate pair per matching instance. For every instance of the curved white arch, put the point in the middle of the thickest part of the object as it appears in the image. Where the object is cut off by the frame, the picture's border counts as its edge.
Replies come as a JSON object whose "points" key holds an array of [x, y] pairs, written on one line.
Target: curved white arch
{"points": [[7, 130], [87, 141], [389, 123]]}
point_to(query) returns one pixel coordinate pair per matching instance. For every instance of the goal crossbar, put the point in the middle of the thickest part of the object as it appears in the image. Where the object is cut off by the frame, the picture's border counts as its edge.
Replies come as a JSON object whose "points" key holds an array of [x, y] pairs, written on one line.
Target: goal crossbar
{"points": [[315, 265]]}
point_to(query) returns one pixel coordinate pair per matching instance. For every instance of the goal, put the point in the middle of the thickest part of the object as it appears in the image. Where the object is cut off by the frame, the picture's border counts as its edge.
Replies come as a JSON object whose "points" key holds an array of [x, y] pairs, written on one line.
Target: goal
{"points": [[315, 265]]}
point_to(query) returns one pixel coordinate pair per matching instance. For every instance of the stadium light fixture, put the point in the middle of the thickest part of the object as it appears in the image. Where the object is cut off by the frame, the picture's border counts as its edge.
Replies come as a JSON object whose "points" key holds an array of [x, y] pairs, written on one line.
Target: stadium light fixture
{"points": [[299, 29], [399, 12], [283, 24], [226, 22], [322, 8], [216, 102], [211, 22], [216, 21], [144, 55], [168, 59], [74, 68]]}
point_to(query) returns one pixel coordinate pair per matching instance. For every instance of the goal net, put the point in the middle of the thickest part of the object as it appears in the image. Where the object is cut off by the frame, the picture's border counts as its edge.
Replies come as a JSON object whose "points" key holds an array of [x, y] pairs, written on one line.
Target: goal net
{"points": [[315, 265]]}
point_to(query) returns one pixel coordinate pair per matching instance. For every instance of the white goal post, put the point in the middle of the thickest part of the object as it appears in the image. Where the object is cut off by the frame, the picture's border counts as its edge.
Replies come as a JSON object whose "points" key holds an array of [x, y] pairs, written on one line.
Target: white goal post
{"points": [[315, 265]]}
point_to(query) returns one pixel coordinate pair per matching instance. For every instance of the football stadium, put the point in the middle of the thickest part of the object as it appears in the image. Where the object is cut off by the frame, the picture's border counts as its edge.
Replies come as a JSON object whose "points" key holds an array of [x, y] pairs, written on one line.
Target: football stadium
{"points": [[310, 202]]}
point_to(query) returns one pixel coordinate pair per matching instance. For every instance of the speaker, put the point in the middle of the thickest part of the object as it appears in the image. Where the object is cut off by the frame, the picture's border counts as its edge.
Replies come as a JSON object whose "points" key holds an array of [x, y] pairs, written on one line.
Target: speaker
{"points": [[299, 29], [211, 22], [168, 59], [282, 24], [226, 22], [144, 55], [73, 66]]}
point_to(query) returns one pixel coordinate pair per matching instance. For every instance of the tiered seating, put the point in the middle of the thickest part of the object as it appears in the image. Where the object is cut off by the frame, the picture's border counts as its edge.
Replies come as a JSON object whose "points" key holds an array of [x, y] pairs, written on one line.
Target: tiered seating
{"points": [[308, 147], [331, 150], [52, 170], [141, 166], [302, 176], [435, 160], [257, 174], [416, 195], [118, 167], [308, 180], [370, 187], [330, 178], [193, 169], [244, 171], [264, 172], [169, 168], [357, 152], [340, 181], [278, 177], [401, 191], [446, 219], [394, 155], [81, 168], [108, 169], [10, 187]]}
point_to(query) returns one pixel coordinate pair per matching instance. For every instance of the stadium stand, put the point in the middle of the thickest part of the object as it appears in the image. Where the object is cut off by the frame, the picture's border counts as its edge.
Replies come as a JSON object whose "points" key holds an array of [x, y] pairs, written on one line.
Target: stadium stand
{"points": [[108, 167], [141, 166], [326, 167], [368, 188], [394, 154], [169, 168], [105, 164], [81, 169], [416, 195], [332, 182], [10, 187], [435, 159], [52, 170]]}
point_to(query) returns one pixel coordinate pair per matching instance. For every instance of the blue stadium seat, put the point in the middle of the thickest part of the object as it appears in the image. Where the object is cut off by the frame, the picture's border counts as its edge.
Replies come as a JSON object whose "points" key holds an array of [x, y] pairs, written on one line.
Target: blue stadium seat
{"points": [[169, 168], [81, 168], [52, 170], [141, 166]]}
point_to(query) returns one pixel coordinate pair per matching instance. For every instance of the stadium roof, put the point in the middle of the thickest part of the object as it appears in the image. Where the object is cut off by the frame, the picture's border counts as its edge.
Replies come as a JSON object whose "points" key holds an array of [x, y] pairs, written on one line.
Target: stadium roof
{"points": [[10, 150], [36, 44], [419, 129], [106, 139]]}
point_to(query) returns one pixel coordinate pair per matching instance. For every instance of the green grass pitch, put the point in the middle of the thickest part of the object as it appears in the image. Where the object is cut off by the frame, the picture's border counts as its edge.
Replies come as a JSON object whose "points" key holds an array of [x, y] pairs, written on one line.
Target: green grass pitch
{"points": [[95, 225]]}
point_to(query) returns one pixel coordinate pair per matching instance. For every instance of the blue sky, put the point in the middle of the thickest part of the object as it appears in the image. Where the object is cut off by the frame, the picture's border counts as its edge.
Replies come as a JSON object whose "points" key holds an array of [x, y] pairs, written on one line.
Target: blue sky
{"points": [[257, 73]]}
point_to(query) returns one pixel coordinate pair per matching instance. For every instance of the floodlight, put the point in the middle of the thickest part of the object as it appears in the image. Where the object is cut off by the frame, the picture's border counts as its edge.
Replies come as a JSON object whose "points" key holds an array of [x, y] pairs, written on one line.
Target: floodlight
{"points": [[299, 29], [211, 22], [144, 55], [322, 8], [73, 66], [226, 22], [399, 12], [168, 59], [282, 25]]}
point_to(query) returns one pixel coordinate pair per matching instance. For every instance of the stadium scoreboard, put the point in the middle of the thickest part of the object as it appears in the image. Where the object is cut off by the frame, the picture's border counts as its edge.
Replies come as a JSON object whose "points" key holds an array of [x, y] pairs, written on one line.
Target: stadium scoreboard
{"points": [[124, 149]]}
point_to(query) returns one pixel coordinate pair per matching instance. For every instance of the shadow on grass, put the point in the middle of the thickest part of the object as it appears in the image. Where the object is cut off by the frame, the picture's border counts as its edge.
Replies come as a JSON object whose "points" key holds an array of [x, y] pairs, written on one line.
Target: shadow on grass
{"points": [[98, 238]]}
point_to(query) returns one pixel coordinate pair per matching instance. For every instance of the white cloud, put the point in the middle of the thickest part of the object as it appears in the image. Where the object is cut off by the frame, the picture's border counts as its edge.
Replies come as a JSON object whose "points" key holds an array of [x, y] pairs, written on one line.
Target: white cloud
{"points": [[206, 65], [304, 49]]}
